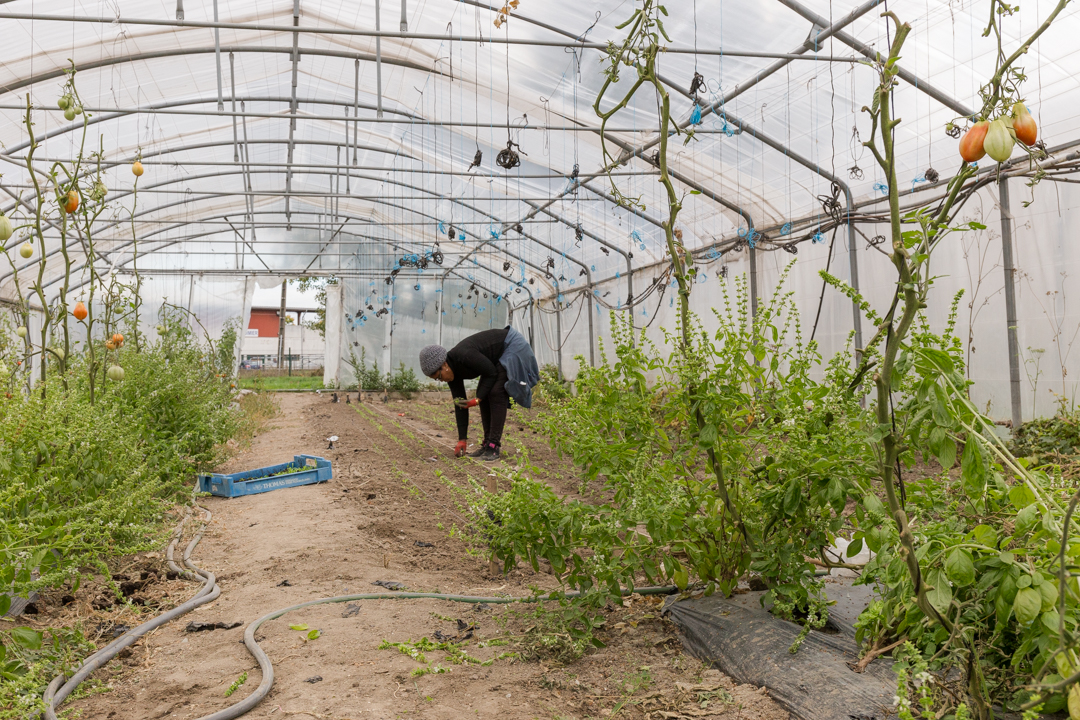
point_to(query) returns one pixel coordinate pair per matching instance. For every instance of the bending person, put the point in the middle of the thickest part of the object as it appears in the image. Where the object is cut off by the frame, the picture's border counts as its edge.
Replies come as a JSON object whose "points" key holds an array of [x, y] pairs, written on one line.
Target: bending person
{"points": [[506, 366]]}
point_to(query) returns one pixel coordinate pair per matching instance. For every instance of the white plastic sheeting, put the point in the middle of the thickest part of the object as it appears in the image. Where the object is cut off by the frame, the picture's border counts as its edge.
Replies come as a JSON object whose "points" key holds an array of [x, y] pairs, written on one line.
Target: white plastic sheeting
{"points": [[304, 185]]}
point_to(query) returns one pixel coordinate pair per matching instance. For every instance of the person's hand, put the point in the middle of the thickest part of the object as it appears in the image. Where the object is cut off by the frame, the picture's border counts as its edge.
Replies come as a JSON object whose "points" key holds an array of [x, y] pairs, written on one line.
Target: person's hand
{"points": [[466, 404], [459, 449]]}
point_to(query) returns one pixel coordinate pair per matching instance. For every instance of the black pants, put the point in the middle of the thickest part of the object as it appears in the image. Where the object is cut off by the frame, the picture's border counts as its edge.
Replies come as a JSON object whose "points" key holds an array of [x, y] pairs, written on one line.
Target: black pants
{"points": [[493, 409]]}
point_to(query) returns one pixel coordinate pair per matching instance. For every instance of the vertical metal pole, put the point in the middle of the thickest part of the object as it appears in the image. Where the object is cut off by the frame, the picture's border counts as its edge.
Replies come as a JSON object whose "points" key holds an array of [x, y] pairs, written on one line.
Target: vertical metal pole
{"points": [[1010, 302], [232, 81], [190, 302], [558, 334], [281, 325], [585, 297], [532, 326], [356, 109], [441, 304], [378, 60], [390, 317], [348, 175], [217, 59], [294, 107], [853, 264], [404, 18], [753, 281]]}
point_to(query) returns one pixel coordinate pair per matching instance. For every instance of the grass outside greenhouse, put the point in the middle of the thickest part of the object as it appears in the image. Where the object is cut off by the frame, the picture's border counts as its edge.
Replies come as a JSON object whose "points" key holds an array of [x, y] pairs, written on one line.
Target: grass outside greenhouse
{"points": [[744, 485]]}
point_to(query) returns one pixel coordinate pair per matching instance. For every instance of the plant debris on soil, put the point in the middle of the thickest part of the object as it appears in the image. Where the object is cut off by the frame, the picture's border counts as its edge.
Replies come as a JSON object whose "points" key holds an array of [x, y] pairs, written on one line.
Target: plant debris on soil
{"points": [[396, 519]]}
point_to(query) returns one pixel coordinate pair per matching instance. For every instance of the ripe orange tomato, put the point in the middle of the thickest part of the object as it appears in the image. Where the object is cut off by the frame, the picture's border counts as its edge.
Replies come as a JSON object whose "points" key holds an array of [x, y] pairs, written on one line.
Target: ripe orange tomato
{"points": [[971, 145], [80, 311], [1024, 125], [109, 344], [70, 202], [137, 169], [118, 339]]}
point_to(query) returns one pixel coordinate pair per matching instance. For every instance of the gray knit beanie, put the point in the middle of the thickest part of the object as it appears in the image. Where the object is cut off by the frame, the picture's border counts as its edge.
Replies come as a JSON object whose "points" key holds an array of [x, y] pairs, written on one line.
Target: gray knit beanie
{"points": [[432, 358]]}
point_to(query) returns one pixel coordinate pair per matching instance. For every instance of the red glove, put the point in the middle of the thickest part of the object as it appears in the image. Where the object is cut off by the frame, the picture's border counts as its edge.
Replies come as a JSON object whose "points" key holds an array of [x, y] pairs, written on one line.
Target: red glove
{"points": [[459, 449], [466, 404]]}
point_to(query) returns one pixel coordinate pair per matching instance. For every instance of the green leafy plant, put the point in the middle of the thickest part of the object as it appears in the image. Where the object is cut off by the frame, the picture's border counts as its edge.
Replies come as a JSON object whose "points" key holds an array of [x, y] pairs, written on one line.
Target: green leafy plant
{"points": [[236, 684], [403, 380]]}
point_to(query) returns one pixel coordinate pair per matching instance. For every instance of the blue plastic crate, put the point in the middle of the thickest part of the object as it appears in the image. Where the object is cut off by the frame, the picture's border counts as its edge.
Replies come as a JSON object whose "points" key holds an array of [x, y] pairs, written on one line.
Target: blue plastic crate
{"points": [[316, 470]]}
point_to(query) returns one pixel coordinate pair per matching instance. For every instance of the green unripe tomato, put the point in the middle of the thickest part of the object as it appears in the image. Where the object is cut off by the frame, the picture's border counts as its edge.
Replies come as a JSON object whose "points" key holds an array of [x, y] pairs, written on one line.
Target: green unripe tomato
{"points": [[69, 114], [77, 109], [21, 331], [5, 228], [64, 102], [116, 373], [26, 250], [161, 330]]}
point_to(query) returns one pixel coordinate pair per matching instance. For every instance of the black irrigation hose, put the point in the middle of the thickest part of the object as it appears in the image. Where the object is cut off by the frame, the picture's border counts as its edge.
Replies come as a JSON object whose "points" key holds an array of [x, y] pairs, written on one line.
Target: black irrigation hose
{"points": [[60, 688]]}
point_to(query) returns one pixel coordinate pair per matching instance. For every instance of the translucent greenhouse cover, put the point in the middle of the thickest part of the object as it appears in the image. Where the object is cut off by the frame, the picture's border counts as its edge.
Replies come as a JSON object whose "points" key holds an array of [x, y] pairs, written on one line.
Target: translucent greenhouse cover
{"points": [[272, 153]]}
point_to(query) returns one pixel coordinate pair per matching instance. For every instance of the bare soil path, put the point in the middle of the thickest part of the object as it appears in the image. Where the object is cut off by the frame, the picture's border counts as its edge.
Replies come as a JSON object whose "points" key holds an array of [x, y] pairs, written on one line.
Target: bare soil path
{"points": [[386, 516]]}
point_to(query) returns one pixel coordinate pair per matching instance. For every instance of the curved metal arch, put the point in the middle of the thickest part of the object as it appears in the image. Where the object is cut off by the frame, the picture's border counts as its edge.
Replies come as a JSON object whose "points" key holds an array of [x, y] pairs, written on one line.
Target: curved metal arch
{"points": [[158, 54]]}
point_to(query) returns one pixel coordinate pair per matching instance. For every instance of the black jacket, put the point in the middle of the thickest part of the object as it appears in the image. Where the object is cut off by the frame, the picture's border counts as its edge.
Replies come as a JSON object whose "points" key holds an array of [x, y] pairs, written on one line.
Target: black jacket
{"points": [[477, 356]]}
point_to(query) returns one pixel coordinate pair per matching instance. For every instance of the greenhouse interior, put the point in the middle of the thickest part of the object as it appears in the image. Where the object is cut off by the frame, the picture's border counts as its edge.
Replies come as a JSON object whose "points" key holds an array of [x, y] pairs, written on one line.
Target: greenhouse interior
{"points": [[686, 361]]}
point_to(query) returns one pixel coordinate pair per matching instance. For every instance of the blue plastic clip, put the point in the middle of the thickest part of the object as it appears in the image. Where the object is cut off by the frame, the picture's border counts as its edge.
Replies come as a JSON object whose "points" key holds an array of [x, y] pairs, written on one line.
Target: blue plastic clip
{"points": [[818, 238], [695, 115], [881, 188], [786, 230]]}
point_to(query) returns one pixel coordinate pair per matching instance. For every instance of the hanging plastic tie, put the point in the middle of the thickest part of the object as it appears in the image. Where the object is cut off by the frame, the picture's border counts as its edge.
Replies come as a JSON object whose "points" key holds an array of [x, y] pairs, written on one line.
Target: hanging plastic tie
{"points": [[636, 236], [452, 234], [855, 172], [461, 236], [818, 237], [416, 286], [695, 115], [493, 232], [549, 265], [931, 175], [579, 235], [508, 158], [786, 230], [875, 241], [916, 181], [442, 228], [724, 271], [952, 130], [881, 188]]}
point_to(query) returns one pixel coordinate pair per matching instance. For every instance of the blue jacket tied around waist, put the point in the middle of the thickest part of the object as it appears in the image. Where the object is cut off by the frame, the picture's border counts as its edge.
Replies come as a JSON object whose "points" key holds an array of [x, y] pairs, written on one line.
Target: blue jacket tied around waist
{"points": [[521, 370]]}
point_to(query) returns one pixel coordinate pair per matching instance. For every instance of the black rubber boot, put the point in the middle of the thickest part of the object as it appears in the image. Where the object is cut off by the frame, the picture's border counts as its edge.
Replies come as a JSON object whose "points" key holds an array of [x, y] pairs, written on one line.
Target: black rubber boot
{"points": [[479, 451], [491, 452]]}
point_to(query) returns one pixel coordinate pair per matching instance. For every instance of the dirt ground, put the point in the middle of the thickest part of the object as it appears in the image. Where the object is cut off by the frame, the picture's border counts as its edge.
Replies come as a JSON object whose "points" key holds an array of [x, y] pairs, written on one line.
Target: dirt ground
{"points": [[386, 516]]}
